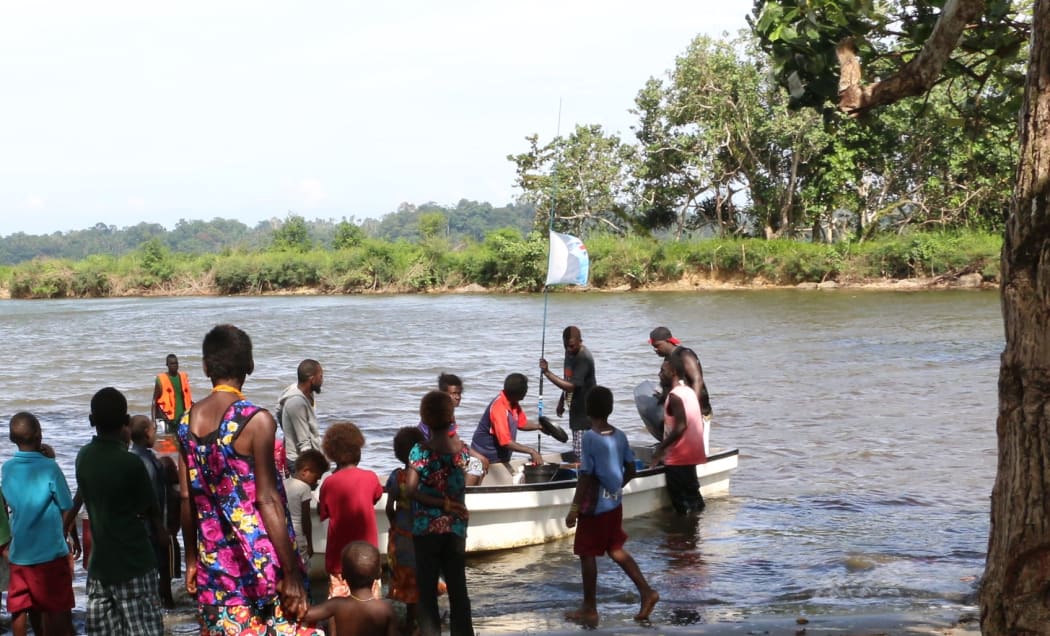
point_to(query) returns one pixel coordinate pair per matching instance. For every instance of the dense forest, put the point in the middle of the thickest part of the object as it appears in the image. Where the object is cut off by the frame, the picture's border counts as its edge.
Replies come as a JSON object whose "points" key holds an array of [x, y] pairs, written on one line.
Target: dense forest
{"points": [[467, 220]]}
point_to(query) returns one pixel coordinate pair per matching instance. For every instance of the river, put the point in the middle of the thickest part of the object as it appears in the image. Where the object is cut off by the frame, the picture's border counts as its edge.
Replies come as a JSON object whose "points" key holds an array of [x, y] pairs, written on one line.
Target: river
{"points": [[865, 422]]}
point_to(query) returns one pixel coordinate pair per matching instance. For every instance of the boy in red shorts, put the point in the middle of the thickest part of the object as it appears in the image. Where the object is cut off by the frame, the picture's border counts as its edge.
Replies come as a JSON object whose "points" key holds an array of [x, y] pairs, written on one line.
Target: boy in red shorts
{"points": [[606, 465], [41, 587]]}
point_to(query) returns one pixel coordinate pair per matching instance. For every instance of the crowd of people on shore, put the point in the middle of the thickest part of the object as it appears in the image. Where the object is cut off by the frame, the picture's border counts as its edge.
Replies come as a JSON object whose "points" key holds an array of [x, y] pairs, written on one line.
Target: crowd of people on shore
{"points": [[241, 496]]}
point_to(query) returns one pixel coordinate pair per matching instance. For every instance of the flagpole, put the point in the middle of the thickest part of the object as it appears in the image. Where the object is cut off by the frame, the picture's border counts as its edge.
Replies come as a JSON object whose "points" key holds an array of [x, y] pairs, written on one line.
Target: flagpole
{"points": [[546, 288]]}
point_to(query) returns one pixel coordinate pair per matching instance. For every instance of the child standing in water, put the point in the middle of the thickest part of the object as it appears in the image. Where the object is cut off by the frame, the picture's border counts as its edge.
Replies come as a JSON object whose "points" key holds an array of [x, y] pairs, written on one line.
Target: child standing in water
{"points": [[348, 498], [40, 591], [399, 551], [606, 465], [143, 438]]}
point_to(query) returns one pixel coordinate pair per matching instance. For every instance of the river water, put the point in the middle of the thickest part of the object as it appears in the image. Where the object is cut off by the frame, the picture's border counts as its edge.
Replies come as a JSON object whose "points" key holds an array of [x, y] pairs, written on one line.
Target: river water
{"points": [[865, 423]]}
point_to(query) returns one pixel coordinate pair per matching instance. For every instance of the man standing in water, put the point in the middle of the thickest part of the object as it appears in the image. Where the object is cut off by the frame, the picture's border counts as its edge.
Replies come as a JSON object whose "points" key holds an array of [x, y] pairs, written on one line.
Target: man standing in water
{"points": [[579, 379], [664, 344], [171, 395], [295, 411], [683, 445]]}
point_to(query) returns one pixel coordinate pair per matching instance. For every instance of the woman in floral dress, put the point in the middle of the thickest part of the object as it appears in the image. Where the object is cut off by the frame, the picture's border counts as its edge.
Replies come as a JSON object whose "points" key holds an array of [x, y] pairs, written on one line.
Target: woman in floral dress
{"points": [[241, 563]]}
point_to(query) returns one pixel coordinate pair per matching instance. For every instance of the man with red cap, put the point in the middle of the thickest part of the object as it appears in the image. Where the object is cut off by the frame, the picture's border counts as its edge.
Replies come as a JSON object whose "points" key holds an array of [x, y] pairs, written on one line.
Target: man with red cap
{"points": [[664, 344]]}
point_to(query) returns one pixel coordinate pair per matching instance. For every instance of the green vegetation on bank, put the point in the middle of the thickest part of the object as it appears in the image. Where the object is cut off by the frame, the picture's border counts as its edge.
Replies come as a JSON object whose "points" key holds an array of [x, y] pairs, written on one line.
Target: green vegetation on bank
{"points": [[504, 261]]}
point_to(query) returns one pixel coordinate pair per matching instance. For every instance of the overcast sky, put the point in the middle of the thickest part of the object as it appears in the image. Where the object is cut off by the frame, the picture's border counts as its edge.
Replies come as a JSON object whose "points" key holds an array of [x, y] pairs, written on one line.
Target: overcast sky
{"points": [[127, 111]]}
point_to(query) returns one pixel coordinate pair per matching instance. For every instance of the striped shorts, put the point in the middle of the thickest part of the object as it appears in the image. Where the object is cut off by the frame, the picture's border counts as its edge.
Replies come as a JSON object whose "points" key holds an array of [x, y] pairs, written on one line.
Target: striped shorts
{"points": [[131, 608]]}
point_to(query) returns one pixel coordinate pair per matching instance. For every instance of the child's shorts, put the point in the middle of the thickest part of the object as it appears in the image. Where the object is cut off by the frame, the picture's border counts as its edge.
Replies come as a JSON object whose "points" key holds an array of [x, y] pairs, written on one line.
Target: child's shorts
{"points": [[475, 467], [47, 587], [598, 534]]}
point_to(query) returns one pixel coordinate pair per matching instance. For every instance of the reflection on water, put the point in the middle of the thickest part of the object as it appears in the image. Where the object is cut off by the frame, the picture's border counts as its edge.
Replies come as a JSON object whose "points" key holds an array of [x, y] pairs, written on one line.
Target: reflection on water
{"points": [[865, 423]]}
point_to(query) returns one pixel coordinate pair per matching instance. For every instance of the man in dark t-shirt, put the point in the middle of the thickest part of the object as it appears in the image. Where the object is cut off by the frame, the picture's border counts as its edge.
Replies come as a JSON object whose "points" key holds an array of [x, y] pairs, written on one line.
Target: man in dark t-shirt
{"points": [[663, 343], [578, 380]]}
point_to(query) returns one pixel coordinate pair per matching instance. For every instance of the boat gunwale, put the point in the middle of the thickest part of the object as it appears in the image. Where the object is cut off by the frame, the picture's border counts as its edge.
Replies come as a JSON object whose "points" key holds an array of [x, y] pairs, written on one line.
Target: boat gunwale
{"points": [[561, 484]]}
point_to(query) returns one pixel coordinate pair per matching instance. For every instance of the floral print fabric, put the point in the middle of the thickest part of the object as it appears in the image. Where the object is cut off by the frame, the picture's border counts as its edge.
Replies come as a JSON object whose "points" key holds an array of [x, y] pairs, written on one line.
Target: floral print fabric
{"points": [[439, 476], [236, 562], [218, 620]]}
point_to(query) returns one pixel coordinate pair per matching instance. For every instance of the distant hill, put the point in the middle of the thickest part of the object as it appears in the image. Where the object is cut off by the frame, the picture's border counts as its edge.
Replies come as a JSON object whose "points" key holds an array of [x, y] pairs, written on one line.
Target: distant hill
{"points": [[467, 220]]}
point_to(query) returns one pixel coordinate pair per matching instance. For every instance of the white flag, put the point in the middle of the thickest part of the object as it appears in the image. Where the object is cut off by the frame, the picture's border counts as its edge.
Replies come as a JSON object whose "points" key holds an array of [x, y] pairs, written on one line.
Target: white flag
{"points": [[568, 263]]}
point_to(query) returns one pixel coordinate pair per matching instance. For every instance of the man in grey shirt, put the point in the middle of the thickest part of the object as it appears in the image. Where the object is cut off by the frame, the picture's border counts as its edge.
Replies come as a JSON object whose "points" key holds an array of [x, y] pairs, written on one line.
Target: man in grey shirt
{"points": [[295, 411]]}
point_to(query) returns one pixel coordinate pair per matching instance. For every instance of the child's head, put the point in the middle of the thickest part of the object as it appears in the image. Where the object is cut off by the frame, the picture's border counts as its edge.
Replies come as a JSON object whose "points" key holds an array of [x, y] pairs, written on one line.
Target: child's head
{"points": [[360, 564], [599, 403], [143, 431], [437, 411], [515, 386], [109, 412], [25, 431], [309, 466], [405, 438], [342, 443]]}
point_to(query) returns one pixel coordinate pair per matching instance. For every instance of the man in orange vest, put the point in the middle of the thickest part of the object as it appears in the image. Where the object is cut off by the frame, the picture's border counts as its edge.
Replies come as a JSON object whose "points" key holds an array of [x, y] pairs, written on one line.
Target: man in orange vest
{"points": [[171, 395]]}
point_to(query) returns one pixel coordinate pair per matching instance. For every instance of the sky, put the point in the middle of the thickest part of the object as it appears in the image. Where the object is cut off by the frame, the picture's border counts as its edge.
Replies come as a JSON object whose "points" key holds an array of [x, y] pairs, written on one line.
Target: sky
{"points": [[121, 111]]}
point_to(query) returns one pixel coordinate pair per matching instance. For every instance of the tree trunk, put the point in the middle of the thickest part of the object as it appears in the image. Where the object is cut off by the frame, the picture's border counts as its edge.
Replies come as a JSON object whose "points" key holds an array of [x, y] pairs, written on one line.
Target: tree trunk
{"points": [[1015, 591]]}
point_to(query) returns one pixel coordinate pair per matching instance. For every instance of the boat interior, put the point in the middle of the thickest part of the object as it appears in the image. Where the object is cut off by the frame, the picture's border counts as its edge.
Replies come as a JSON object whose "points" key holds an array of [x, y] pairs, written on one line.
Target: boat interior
{"points": [[556, 467]]}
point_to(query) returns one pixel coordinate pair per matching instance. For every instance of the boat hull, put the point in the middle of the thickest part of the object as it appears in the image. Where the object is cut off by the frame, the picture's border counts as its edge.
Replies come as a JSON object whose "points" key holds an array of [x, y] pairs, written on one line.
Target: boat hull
{"points": [[512, 515]]}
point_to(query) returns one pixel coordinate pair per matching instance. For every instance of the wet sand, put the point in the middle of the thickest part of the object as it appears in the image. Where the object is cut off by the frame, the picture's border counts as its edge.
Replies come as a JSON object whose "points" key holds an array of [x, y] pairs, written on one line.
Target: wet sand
{"points": [[860, 625], [835, 625]]}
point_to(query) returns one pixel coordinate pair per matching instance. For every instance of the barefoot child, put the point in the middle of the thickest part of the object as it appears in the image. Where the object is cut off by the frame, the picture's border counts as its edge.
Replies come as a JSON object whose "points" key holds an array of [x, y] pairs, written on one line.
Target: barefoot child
{"points": [[607, 464], [363, 612], [399, 551], [347, 500], [40, 591]]}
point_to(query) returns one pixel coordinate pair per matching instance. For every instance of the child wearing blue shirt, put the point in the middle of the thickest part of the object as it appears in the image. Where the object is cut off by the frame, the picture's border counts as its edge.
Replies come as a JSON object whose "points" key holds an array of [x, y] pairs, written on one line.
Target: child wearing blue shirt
{"points": [[41, 586], [606, 465]]}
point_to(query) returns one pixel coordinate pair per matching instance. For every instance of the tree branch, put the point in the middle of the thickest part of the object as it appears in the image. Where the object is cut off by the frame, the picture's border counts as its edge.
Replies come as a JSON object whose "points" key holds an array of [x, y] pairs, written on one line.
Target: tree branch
{"points": [[915, 77]]}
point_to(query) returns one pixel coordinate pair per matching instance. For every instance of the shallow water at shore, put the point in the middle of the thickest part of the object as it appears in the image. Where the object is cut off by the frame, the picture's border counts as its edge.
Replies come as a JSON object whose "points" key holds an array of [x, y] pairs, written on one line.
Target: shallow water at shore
{"points": [[865, 422]]}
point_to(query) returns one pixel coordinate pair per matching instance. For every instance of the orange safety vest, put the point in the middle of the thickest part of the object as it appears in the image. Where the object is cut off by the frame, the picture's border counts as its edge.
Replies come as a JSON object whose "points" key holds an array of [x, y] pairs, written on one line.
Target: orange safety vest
{"points": [[166, 401]]}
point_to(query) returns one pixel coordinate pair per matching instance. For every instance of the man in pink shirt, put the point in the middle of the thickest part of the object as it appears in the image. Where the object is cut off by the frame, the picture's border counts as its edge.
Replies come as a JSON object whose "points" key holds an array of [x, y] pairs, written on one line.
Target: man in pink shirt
{"points": [[683, 445]]}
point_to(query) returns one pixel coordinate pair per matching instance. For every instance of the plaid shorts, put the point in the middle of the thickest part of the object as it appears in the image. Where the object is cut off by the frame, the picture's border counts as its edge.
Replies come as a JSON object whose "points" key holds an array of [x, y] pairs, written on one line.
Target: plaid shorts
{"points": [[131, 608]]}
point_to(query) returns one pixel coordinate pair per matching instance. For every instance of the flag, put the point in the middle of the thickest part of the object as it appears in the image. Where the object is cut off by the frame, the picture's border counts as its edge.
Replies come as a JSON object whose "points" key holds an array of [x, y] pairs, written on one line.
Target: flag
{"points": [[568, 263]]}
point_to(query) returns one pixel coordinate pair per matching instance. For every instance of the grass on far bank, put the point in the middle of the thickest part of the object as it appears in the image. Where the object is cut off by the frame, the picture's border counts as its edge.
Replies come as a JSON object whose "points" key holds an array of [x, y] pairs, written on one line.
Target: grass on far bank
{"points": [[505, 261]]}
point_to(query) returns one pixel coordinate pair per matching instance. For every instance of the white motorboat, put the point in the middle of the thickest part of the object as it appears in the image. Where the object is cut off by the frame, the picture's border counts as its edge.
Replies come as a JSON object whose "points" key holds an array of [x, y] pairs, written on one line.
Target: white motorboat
{"points": [[508, 511]]}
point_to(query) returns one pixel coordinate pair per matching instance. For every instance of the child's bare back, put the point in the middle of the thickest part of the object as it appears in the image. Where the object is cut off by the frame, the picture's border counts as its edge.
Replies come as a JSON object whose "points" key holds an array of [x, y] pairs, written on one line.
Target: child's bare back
{"points": [[356, 615], [364, 612]]}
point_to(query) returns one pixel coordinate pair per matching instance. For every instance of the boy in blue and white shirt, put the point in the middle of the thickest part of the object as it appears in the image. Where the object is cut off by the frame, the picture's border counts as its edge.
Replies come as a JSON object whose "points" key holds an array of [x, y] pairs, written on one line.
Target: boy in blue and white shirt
{"points": [[41, 588], [606, 465]]}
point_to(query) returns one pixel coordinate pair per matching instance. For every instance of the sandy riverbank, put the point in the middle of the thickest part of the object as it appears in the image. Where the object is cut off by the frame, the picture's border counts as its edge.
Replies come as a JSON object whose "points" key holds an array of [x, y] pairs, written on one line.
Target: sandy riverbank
{"points": [[552, 623], [690, 282]]}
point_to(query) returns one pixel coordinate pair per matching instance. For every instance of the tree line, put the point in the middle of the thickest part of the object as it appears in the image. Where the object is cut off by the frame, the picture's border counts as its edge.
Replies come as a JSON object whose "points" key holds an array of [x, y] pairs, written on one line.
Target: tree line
{"points": [[505, 260], [465, 221]]}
